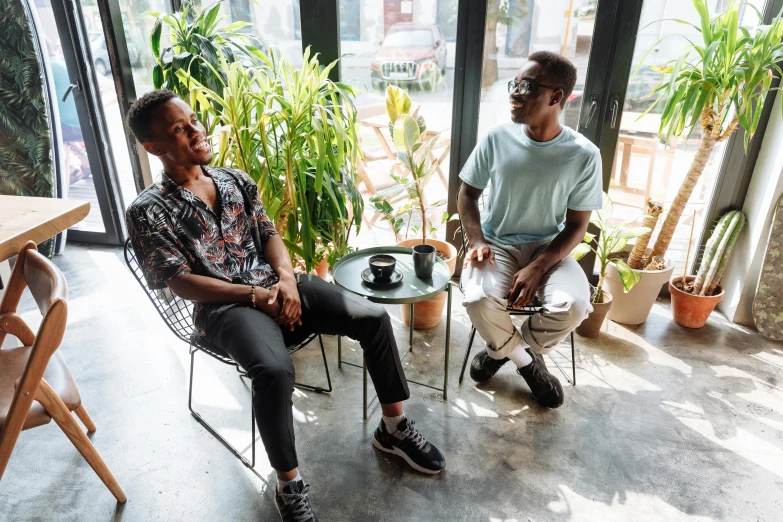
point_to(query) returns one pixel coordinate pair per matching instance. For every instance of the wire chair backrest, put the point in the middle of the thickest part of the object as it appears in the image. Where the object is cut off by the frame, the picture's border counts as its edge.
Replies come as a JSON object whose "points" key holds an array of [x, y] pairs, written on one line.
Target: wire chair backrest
{"points": [[176, 312]]}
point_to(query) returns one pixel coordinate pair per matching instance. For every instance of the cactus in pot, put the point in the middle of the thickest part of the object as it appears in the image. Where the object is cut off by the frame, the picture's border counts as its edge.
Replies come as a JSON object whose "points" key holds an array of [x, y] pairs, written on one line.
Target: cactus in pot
{"points": [[695, 297], [718, 251]]}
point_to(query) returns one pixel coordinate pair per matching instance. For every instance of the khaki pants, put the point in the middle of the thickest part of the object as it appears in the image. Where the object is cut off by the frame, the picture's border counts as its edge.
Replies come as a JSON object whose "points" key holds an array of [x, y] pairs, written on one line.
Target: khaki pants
{"points": [[564, 292]]}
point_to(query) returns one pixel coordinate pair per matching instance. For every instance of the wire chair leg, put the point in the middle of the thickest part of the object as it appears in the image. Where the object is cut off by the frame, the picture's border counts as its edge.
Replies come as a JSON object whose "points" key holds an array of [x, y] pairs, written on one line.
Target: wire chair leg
{"points": [[467, 353], [573, 359], [212, 430], [319, 389]]}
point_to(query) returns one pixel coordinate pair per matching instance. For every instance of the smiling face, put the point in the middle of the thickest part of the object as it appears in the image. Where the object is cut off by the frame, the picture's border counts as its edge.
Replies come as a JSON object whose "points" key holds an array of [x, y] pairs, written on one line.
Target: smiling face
{"points": [[540, 103], [177, 137]]}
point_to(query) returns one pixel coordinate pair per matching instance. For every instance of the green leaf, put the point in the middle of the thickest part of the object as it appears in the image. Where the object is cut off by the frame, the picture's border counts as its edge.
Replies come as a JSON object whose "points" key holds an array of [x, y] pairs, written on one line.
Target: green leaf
{"points": [[155, 39], [397, 102], [630, 233], [588, 237], [406, 132], [628, 276], [580, 251]]}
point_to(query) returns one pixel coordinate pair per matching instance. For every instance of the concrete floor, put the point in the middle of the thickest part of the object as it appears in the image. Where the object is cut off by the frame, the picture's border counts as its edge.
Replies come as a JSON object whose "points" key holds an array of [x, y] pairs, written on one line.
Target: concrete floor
{"points": [[665, 424]]}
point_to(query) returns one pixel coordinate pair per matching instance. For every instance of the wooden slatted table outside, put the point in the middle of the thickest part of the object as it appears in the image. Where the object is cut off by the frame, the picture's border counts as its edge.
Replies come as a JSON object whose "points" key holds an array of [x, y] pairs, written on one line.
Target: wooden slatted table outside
{"points": [[25, 218]]}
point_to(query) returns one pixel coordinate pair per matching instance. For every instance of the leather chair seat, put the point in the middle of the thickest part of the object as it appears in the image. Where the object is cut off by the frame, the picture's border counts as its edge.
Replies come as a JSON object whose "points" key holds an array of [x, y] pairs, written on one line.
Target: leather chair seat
{"points": [[12, 365]]}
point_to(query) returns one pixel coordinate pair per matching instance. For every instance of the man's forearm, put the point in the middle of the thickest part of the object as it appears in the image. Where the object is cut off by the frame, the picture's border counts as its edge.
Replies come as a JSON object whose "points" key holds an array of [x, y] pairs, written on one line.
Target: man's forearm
{"points": [[202, 289], [471, 220], [277, 256]]}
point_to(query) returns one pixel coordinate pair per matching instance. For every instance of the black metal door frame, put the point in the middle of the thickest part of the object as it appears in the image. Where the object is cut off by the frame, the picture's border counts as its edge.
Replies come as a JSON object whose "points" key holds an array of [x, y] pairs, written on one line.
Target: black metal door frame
{"points": [[78, 59]]}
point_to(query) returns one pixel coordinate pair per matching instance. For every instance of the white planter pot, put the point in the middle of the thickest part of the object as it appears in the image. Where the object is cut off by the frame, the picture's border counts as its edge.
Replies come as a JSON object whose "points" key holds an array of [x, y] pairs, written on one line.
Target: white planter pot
{"points": [[634, 307]]}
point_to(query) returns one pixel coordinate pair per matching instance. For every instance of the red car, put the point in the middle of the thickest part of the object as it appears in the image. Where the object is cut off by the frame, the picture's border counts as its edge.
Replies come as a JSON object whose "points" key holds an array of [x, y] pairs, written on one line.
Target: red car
{"points": [[411, 54]]}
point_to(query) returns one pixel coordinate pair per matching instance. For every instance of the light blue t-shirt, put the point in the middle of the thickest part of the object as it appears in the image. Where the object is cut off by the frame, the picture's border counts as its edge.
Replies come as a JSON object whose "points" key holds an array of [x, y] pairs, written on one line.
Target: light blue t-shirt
{"points": [[533, 183]]}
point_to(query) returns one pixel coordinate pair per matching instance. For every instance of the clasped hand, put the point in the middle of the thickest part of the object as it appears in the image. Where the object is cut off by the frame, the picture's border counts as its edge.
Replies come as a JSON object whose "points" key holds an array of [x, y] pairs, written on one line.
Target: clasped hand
{"points": [[284, 304]]}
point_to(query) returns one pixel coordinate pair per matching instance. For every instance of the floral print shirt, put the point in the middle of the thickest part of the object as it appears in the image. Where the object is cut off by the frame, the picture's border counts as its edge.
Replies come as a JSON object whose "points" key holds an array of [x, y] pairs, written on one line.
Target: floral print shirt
{"points": [[175, 233]]}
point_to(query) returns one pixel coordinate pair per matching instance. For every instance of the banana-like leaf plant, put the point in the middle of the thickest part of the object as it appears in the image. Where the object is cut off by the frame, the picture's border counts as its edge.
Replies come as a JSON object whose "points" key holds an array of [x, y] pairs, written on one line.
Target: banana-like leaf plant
{"points": [[414, 152], [718, 83], [611, 240]]}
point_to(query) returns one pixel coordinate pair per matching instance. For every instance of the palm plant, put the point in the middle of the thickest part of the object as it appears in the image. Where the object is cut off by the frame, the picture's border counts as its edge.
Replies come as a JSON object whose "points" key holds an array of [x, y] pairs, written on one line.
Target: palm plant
{"points": [[197, 42], [611, 240], [294, 132], [717, 83]]}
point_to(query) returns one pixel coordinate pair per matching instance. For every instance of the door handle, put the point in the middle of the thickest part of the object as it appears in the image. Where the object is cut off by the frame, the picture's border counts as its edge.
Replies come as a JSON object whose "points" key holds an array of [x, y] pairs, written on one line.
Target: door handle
{"points": [[591, 112], [75, 86], [615, 108]]}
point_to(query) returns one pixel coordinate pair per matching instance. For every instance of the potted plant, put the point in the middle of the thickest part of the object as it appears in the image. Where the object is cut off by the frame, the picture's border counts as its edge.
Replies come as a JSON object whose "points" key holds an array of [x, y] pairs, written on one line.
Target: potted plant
{"points": [[718, 83], [612, 239], [294, 132], [695, 297], [406, 198]]}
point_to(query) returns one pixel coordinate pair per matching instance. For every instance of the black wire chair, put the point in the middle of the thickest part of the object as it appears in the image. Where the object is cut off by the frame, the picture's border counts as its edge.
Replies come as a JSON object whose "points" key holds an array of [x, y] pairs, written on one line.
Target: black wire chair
{"points": [[536, 307], [177, 313]]}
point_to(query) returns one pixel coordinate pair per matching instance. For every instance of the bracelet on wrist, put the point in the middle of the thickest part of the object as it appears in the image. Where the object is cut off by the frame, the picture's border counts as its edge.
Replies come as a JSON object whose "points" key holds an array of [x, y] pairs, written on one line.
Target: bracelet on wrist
{"points": [[253, 295]]}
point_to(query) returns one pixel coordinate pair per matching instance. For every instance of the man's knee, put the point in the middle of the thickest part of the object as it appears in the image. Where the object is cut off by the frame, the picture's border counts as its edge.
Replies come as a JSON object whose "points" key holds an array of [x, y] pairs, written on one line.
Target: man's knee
{"points": [[571, 309], [273, 376]]}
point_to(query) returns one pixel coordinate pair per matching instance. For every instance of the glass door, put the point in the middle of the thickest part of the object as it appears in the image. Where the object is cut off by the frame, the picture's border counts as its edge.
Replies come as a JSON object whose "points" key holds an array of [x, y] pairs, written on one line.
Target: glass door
{"points": [[641, 165], [89, 173]]}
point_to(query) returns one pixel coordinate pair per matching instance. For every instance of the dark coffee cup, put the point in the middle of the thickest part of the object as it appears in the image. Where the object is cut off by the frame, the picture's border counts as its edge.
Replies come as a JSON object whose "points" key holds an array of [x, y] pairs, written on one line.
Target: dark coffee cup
{"points": [[382, 266], [423, 261]]}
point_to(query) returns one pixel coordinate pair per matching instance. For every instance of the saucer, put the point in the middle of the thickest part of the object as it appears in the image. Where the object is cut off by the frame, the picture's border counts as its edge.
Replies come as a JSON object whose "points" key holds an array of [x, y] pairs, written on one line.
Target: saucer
{"points": [[371, 281]]}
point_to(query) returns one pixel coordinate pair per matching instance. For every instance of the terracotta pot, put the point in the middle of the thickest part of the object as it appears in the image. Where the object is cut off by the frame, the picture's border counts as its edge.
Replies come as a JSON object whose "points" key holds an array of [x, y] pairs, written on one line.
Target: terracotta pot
{"points": [[427, 314], [692, 311], [591, 326], [322, 269], [634, 307]]}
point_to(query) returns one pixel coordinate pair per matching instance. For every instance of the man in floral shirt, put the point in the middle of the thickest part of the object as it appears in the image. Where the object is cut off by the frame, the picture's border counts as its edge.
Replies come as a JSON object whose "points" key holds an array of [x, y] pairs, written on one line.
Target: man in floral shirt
{"points": [[192, 233]]}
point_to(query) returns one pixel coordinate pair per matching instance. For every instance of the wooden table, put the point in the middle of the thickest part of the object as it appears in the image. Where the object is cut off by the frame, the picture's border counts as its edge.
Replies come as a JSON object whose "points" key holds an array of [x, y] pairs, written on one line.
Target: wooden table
{"points": [[381, 122], [26, 218]]}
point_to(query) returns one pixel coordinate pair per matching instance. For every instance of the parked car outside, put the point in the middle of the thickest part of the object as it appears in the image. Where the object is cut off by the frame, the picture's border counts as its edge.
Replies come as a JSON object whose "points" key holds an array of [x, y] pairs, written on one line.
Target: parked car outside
{"points": [[410, 55], [100, 56]]}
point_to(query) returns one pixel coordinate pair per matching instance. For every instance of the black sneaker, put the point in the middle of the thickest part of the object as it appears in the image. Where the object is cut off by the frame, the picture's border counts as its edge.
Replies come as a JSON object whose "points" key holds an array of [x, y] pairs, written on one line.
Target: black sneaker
{"points": [[545, 386], [484, 367], [293, 503], [409, 444]]}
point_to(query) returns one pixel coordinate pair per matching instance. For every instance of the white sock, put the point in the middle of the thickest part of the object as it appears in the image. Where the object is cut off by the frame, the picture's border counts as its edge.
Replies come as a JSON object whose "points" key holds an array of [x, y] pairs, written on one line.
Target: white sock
{"points": [[519, 355], [283, 483], [392, 422]]}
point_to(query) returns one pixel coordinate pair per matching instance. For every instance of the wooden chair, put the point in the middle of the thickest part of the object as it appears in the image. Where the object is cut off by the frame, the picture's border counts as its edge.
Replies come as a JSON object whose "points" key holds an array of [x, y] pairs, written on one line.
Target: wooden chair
{"points": [[35, 383], [624, 194]]}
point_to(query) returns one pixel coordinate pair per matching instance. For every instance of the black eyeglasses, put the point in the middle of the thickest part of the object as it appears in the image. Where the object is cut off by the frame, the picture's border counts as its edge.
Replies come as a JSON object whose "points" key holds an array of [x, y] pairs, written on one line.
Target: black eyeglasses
{"points": [[524, 86]]}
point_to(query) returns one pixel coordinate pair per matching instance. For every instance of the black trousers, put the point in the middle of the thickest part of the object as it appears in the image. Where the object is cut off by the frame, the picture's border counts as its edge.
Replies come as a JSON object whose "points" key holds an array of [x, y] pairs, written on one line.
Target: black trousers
{"points": [[258, 344]]}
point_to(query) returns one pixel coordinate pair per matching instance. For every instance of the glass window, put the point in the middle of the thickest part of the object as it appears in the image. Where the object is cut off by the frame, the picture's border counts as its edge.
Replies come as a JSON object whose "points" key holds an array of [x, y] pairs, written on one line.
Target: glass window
{"points": [[517, 28], [399, 44], [643, 165]]}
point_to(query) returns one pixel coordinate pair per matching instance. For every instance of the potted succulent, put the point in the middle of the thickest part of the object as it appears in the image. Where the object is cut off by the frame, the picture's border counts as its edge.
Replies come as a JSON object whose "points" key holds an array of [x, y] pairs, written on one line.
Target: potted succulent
{"points": [[612, 239], [406, 198], [695, 297], [718, 83]]}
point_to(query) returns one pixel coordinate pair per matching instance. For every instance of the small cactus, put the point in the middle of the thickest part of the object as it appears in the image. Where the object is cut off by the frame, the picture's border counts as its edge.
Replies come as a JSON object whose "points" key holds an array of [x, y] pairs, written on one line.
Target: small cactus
{"points": [[718, 251]]}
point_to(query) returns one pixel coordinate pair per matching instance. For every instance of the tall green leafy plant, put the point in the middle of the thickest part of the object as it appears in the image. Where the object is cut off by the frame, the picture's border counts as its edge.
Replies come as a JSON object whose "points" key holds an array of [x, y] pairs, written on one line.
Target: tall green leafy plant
{"points": [[197, 43], [611, 240], [718, 83], [413, 151], [294, 132]]}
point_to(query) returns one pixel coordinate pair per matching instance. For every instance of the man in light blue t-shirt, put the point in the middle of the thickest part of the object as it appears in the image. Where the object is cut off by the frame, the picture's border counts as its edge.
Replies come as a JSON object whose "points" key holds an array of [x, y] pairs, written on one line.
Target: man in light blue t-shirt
{"points": [[543, 182]]}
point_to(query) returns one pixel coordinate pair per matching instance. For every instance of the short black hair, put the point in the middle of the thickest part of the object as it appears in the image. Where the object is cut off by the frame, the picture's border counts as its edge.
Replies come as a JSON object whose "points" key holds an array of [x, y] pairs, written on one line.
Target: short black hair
{"points": [[140, 113], [559, 68]]}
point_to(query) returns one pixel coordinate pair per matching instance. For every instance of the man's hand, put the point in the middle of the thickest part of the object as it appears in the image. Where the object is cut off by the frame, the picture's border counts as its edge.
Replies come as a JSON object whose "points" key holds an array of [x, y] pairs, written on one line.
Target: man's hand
{"points": [[524, 286], [286, 295], [479, 253]]}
